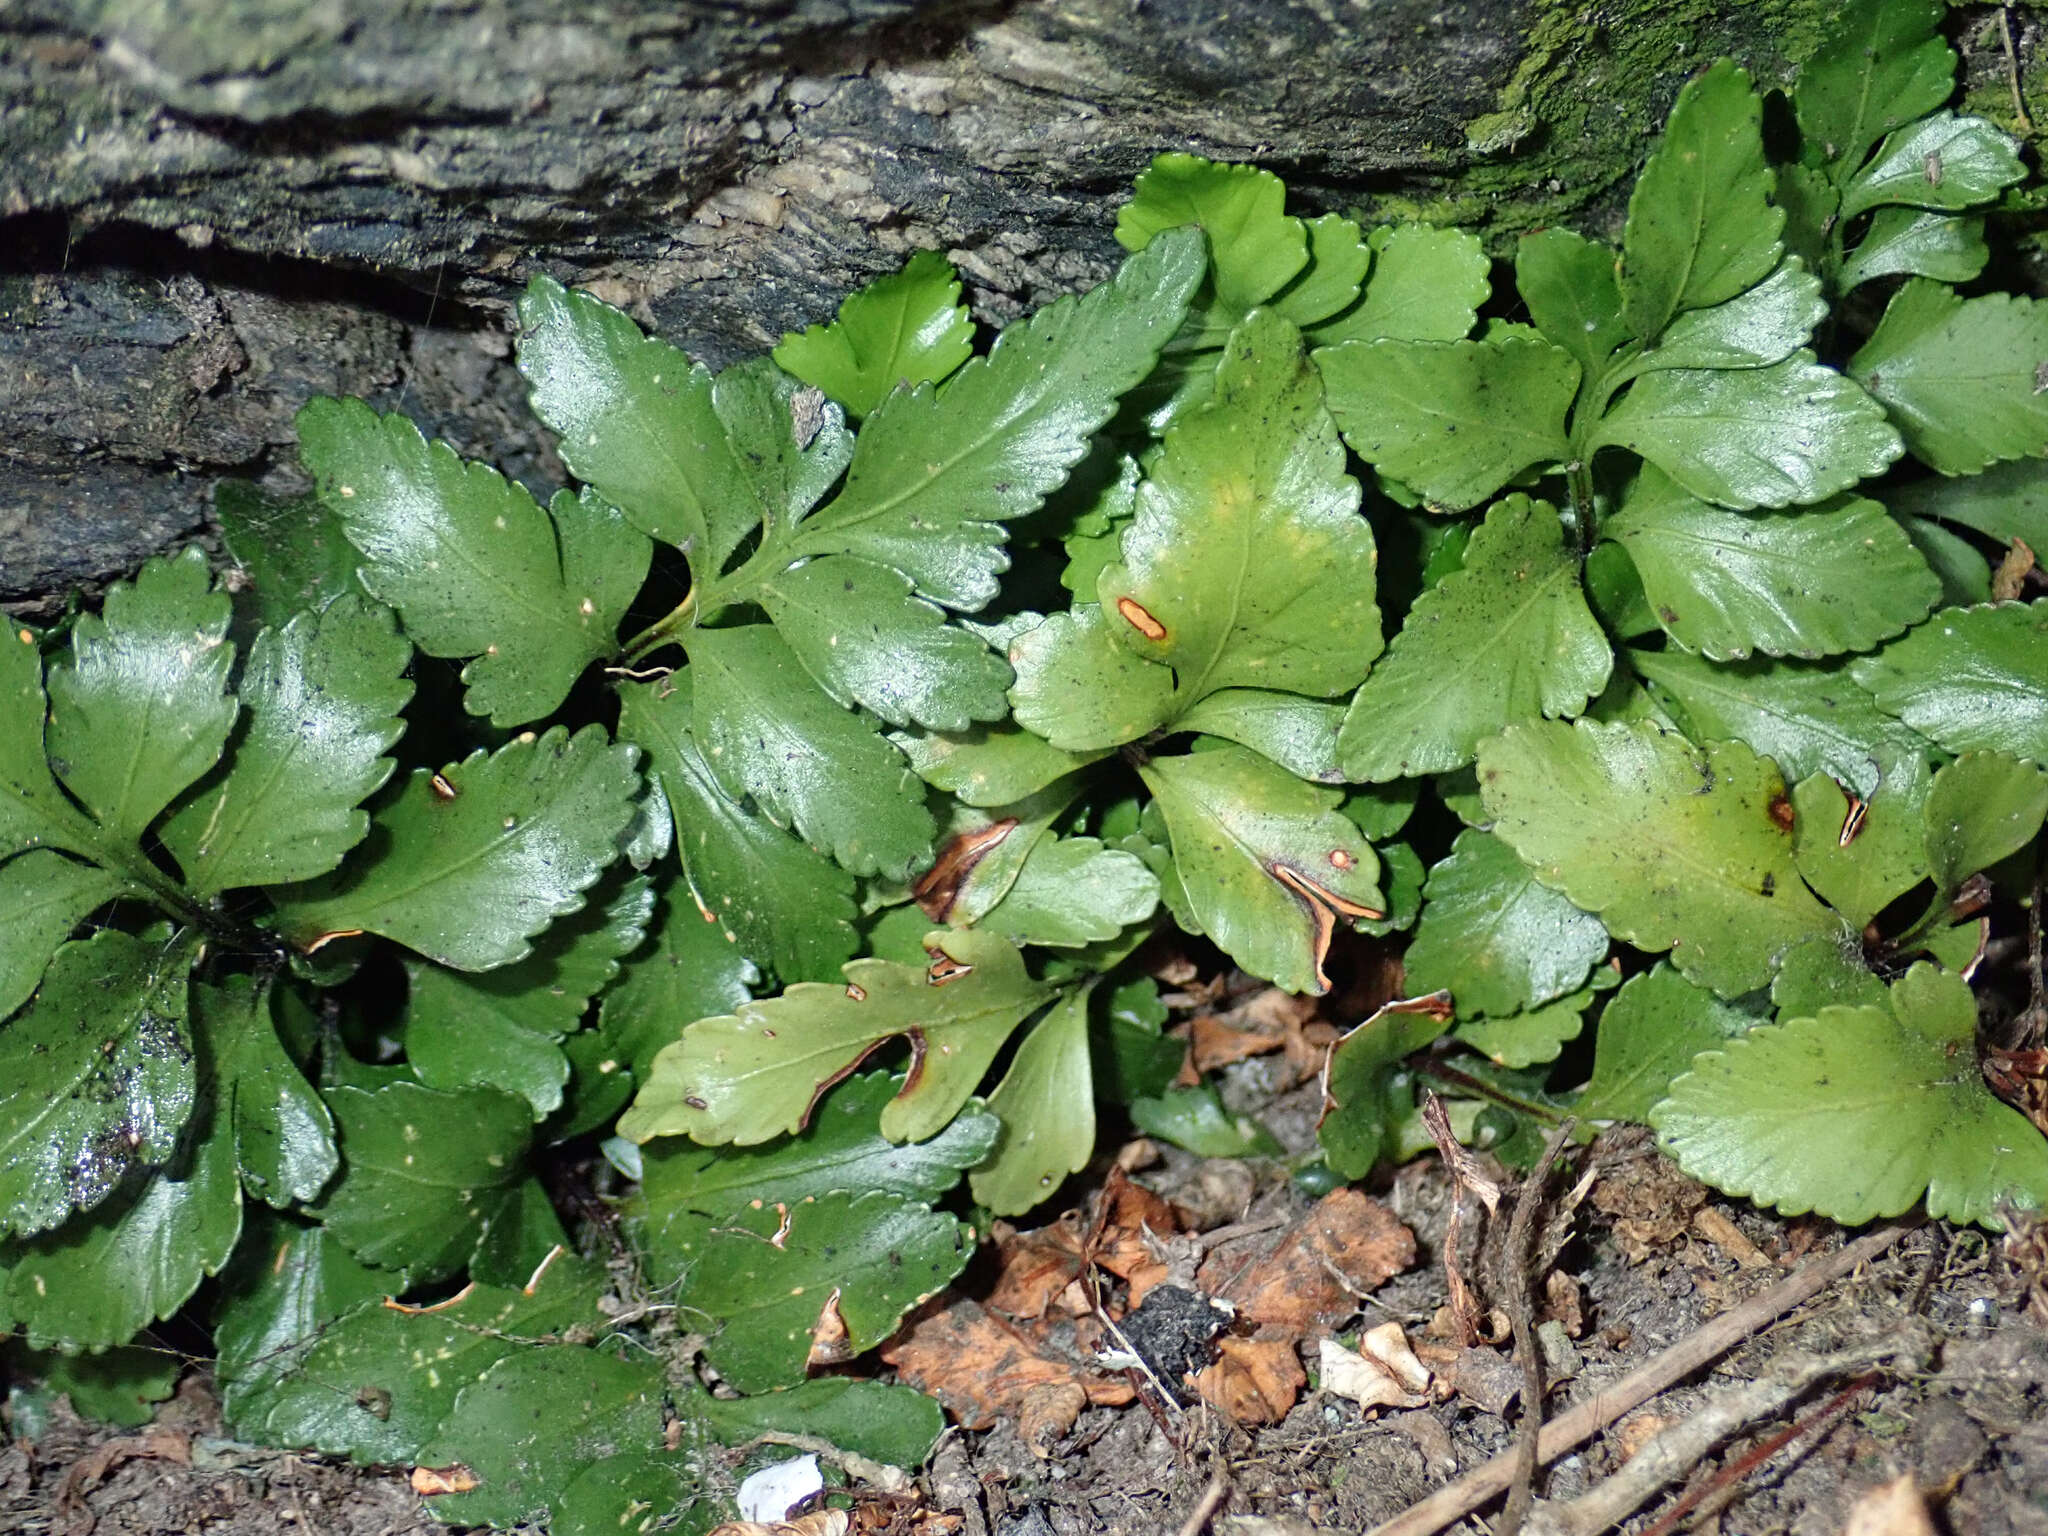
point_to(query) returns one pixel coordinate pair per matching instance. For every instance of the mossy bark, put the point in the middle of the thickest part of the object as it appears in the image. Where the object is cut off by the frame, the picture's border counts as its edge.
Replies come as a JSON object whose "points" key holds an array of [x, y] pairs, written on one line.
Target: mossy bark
{"points": [[212, 208]]}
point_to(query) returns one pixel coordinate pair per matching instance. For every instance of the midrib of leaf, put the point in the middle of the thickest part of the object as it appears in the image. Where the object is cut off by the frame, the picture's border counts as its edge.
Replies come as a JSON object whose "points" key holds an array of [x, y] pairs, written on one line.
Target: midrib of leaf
{"points": [[410, 1176], [1497, 423], [1222, 824], [1228, 629], [208, 848], [449, 871], [1816, 723], [798, 742], [835, 1052], [1462, 669]]}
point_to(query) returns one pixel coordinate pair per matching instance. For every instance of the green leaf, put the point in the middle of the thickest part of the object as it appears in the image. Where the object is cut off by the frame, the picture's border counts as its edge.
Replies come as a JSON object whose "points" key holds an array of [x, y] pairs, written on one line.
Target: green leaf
{"points": [[33, 810], [989, 765], [43, 897], [1942, 162], [695, 462], [472, 563], [1675, 847], [1269, 863], [885, 1421], [1974, 679], [1072, 891], [1083, 689], [322, 697], [1456, 420], [139, 710], [427, 1173], [869, 1258], [1338, 259], [1885, 856], [1964, 573], [1366, 1090], [1427, 285], [768, 732], [1824, 972], [375, 1381], [1982, 807], [1701, 226], [1768, 1115], [287, 1283], [1297, 733], [771, 896], [96, 1078], [1046, 1103], [469, 880], [136, 1258], [1247, 564], [2007, 501], [503, 1029], [1881, 64], [909, 327], [1961, 377], [1905, 242], [1505, 637], [1764, 325], [1805, 718], [1649, 1033], [1807, 583], [758, 1072], [291, 554], [283, 1134], [686, 1189], [1254, 247], [652, 1489], [121, 1386], [1528, 1039], [536, 1420], [1195, 1120], [689, 970], [867, 641], [1792, 433], [1495, 939], [1569, 284], [936, 473]]}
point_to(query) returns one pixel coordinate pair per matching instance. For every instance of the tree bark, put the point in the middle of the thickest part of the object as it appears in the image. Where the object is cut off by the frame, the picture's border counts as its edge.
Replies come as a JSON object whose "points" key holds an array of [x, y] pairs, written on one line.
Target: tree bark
{"points": [[210, 209]]}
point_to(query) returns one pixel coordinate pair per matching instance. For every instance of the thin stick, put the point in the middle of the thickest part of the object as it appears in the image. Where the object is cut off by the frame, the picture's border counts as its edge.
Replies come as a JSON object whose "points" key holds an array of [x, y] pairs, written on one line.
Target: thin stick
{"points": [[1706, 1343], [1521, 1314], [2012, 70], [1721, 1490], [1679, 1448], [1212, 1500]]}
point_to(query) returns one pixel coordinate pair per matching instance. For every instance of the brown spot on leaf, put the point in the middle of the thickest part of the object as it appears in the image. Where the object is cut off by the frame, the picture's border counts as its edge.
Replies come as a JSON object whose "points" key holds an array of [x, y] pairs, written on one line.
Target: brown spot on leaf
{"points": [[442, 789], [328, 938], [939, 887], [1780, 810], [1324, 907], [1852, 824], [945, 968], [428, 1482], [858, 993], [1135, 615], [1340, 858]]}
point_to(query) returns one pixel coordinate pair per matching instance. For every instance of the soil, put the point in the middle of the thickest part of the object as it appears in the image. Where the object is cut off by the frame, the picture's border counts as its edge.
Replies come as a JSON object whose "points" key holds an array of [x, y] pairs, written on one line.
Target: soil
{"points": [[1649, 1256]]}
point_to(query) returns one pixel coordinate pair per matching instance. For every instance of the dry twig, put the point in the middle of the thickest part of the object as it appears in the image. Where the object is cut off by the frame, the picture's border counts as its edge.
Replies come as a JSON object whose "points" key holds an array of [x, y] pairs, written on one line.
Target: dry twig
{"points": [[1521, 1315], [1212, 1500], [1706, 1343], [1674, 1452]]}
